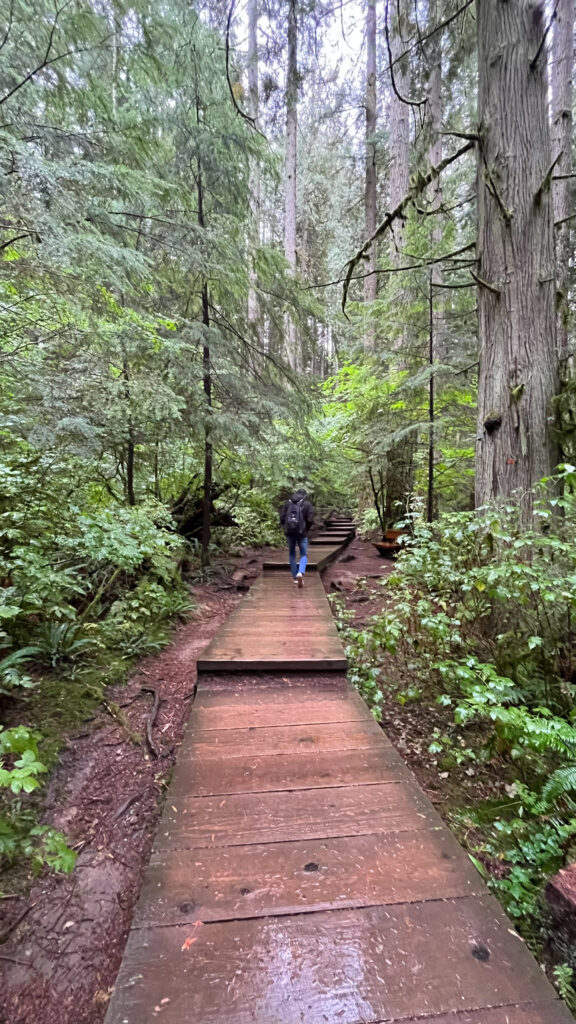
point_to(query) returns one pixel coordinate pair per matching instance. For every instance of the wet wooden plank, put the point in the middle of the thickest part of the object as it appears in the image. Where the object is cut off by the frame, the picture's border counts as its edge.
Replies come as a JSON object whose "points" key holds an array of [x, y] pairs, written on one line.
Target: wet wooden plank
{"points": [[555, 1013], [262, 664], [391, 963], [317, 559], [296, 712], [264, 631], [271, 773], [247, 818], [276, 688], [283, 739], [292, 878], [268, 662]]}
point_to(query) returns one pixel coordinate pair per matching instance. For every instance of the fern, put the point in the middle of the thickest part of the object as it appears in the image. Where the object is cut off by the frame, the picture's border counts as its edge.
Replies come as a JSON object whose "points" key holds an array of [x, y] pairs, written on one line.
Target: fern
{"points": [[562, 781]]}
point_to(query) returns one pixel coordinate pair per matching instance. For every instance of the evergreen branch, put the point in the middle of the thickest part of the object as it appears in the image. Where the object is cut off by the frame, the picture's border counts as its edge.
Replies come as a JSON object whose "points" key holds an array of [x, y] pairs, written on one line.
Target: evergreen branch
{"points": [[564, 220], [409, 103], [544, 187], [444, 209], [425, 261], [47, 60], [428, 35], [31, 74], [245, 117], [474, 136], [485, 284], [9, 25], [5, 245], [417, 188]]}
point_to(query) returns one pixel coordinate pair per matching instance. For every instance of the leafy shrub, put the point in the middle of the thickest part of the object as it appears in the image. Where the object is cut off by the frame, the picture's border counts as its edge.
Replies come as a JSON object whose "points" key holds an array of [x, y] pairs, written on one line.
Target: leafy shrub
{"points": [[481, 614], [20, 769], [81, 582]]}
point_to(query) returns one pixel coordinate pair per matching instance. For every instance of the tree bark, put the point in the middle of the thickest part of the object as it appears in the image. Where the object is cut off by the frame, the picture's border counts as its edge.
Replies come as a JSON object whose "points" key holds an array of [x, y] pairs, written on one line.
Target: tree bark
{"points": [[208, 453], [516, 293], [254, 104], [399, 181], [130, 443], [436, 333], [207, 386], [562, 92], [370, 186], [290, 173], [430, 489]]}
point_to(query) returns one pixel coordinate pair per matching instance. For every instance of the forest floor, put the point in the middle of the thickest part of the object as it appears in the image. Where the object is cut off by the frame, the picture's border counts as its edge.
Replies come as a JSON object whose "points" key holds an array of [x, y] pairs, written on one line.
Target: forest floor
{"points": [[61, 943]]}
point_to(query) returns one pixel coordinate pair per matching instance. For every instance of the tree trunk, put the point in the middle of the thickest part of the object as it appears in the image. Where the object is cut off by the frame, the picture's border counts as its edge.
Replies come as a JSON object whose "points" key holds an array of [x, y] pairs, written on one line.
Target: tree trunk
{"points": [[516, 293], [561, 82], [436, 340], [130, 444], [430, 489], [208, 454], [254, 104], [434, 128], [370, 282], [207, 385], [399, 181], [290, 171]]}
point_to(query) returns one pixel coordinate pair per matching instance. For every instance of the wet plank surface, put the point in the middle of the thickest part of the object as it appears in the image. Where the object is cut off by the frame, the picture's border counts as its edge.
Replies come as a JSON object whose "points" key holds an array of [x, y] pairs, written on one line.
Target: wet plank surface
{"points": [[276, 772], [189, 822], [299, 874], [384, 963], [289, 878], [291, 739], [278, 624], [294, 712], [319, 556]]}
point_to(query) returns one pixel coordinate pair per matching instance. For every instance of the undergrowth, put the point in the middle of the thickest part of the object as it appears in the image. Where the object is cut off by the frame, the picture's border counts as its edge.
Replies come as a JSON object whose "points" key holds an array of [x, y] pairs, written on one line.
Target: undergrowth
{"points": [[85, 589], [479, 617]]}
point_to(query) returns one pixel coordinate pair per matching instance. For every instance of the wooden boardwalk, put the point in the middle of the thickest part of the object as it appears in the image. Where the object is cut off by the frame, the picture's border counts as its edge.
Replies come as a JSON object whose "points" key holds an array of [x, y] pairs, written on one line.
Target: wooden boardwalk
{"points": [[277, 625], [299, 874]]}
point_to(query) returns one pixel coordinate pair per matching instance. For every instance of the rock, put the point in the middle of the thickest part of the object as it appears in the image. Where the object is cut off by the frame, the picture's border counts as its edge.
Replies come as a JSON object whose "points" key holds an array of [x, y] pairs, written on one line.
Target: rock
{"points": [[343, 582]]}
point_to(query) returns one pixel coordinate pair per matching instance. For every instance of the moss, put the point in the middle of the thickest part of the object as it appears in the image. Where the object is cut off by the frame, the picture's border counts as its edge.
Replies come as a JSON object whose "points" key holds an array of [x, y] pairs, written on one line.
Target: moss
{"points": [[60, 704]]}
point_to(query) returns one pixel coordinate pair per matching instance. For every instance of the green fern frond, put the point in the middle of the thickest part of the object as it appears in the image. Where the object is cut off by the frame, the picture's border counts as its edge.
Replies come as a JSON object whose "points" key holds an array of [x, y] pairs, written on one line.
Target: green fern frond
{"points": [[560, 782]]}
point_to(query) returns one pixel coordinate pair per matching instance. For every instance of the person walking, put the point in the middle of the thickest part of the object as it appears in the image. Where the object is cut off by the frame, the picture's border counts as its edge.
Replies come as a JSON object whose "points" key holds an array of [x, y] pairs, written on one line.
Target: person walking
{"points": [[296, 517]]}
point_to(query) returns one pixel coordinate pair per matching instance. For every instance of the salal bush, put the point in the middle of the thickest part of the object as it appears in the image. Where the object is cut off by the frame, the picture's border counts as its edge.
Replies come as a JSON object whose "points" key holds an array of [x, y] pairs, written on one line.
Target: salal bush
{"points": [[480, 617], [486, 608]]}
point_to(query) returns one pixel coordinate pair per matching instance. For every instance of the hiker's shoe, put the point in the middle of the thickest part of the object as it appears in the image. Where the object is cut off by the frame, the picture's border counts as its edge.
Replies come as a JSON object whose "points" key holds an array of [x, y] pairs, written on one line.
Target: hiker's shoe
{"points": [[300, 579], [294, 579]]}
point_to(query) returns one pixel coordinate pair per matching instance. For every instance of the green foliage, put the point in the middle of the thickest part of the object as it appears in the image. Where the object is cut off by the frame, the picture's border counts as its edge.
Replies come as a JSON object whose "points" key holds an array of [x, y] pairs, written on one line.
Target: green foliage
{"points": [[564, 980], [20, 769], [480, 618]]}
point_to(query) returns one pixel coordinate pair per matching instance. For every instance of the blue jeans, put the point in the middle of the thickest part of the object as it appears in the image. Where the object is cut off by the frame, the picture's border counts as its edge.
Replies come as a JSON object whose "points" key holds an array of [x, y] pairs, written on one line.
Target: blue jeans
{"points": [[300, 566]]}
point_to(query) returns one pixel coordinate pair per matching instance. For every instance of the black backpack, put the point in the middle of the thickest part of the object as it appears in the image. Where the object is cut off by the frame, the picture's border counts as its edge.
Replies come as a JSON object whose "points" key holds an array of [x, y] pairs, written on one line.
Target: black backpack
{"points": [[295, 523]]}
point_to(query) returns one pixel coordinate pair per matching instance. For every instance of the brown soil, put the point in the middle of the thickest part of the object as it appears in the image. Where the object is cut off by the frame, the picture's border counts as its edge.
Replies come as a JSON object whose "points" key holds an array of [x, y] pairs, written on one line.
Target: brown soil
{"points": [[61, 945]]}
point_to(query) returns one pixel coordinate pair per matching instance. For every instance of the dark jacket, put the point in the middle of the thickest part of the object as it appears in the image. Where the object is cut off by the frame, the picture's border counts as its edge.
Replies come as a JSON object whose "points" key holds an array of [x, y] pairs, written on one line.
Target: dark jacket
{"points": [[307, 510]]}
